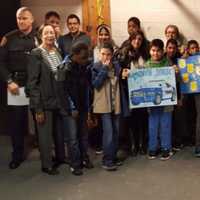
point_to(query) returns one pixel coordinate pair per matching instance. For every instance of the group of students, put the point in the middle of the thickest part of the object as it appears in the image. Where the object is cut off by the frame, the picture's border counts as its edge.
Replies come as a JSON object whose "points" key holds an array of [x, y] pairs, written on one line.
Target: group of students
{"points": [[76, 88]]}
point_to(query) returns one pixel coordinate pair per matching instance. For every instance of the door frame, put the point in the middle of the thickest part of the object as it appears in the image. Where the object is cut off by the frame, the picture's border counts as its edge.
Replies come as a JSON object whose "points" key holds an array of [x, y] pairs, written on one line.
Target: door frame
{"points": [[94, 13]]}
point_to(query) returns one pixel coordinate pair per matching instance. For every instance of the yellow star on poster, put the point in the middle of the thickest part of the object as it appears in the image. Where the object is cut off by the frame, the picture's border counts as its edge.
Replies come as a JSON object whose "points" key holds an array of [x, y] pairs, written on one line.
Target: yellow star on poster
{"points": [[182, 63], [193, 86], [190, 68], [185, 77]]}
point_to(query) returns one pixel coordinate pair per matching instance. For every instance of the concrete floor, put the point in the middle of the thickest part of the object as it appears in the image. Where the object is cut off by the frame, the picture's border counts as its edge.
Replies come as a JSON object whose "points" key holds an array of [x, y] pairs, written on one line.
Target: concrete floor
{"points": [[138, 179]]}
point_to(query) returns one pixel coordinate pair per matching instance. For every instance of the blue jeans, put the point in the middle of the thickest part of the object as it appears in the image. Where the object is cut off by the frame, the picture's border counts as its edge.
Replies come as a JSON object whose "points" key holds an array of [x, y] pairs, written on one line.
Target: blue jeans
{"points": [[159, 128], [77, 139], [110, 124]]}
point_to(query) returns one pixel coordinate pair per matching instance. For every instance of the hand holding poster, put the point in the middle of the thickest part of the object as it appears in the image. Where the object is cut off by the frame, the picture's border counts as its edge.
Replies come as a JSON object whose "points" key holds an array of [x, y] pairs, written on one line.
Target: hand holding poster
{"points": [[18, 100], [190, 74], [152, 87]]}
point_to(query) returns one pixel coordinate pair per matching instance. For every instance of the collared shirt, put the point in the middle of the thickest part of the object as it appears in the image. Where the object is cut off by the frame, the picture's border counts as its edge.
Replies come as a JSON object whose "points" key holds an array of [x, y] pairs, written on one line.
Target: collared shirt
{"points": [[67, 41]]}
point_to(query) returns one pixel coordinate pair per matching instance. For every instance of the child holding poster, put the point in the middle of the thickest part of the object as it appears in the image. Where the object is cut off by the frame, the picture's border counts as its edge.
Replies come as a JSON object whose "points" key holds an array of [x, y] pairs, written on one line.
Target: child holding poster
{"points": [[179, 121], [134, 122], [193, 49], [160, 118]]}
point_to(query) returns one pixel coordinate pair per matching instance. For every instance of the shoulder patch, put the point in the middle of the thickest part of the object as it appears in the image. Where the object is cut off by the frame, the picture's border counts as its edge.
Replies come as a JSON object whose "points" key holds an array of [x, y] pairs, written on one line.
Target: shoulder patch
{"points": [[11, 33]]}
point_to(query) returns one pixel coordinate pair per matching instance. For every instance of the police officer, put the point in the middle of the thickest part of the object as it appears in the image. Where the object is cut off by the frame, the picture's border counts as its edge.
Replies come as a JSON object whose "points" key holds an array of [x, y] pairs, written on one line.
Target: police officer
{"points": [[14, 49]]}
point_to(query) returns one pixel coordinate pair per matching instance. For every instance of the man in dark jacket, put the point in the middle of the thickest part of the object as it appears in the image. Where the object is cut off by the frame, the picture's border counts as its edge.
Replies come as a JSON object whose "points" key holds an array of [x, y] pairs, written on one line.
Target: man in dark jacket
{"points": [[14, 49], [73, 86], [74, 36]]}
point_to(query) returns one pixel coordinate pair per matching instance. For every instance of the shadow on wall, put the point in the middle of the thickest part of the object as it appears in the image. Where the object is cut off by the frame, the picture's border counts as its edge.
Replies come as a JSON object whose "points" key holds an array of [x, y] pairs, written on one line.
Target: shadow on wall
{"points": [[191, 16]]}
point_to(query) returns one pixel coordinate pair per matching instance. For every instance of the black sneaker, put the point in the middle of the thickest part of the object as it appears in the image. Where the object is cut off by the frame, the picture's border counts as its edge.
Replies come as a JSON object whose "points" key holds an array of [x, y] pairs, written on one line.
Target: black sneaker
{"points": [[98, 151], [14, 164], [87, 164], [50, 171], [135, 152], [152, 155], [166, 155], [61, 162], [111, 167], [118, 162], [123, 155], [76, 171], [142, 151], [177, 147], [197, 152]]}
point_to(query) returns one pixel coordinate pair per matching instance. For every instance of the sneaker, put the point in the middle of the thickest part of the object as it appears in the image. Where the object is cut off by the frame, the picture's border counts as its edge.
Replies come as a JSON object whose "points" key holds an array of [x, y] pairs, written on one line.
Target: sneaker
{"points": [[98, 151], [15, 164], [135, 152], [60, 162], [152, 155], [111, 167], [123, 155], [50, 171], [76, 171], [87, 164], [177, 148], [165, 155], [197, 152], [118, 162], [142, 151]]}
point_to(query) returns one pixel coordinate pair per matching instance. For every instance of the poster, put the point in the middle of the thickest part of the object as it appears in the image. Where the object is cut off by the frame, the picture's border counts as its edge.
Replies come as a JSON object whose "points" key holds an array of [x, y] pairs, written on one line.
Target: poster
{"points": [[18, 100], [150, 87], [190, 74]]}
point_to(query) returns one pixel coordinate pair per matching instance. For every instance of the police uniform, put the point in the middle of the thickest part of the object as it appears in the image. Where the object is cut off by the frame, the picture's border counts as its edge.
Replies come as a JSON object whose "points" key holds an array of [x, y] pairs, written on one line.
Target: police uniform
{"points": [[14, 51]]}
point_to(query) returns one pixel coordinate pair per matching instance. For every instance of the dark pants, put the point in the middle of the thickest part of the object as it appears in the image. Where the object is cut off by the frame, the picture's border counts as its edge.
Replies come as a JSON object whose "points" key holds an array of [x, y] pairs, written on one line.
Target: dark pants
{"points": [[139, 126], [125, 136], [48, 130], [18, 130], [82, 132], [35, 128], [58, 136], [197, 103], [180, 131], [189, 139], [133, 131], [77, 138]]}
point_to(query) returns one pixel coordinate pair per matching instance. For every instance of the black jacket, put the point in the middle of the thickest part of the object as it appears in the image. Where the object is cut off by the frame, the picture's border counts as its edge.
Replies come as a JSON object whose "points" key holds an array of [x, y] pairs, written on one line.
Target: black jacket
{"points": [[66, 42], [41, 84], [14, 56], [73, 82]]}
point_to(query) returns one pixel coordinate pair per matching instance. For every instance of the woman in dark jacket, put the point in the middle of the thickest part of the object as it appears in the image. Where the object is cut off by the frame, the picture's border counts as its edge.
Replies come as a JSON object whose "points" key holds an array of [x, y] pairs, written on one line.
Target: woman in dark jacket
{"points": [[43, 98], [132, 56]]}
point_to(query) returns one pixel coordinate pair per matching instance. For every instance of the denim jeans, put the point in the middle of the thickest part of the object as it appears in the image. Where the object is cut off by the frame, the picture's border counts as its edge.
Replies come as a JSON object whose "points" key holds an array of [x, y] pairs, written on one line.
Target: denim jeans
{"points": [[159, 128], [77, 138], [110, 124]]}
